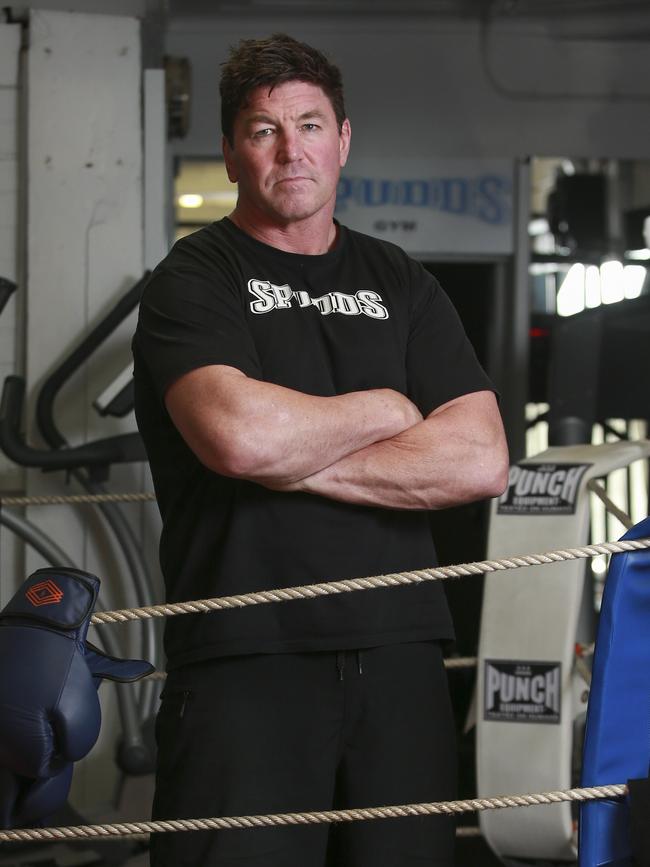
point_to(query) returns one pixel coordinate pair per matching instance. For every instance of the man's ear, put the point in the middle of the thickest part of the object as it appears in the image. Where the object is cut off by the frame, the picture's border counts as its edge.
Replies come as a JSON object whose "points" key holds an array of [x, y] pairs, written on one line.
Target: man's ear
{"points": [[344, 142], [229, 160]]}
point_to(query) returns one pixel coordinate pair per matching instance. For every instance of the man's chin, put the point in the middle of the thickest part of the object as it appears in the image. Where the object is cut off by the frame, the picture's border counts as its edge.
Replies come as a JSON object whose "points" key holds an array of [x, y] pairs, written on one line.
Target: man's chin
{"points": [[296, 208], [295, 213]]}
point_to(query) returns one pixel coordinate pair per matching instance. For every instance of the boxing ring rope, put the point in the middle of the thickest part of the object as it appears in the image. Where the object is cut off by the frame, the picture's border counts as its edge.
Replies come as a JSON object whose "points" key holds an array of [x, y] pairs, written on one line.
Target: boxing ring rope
{"points": [[74, 499], [451, 663], [133, 829], [454, 663], [598, 489], [123, 829], [594, 486], [349, 585], [224, 823]]}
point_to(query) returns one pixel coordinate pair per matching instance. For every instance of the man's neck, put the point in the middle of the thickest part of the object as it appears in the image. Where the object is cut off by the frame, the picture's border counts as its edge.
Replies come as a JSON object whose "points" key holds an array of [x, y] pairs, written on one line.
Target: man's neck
{"points": [[310, 237]]}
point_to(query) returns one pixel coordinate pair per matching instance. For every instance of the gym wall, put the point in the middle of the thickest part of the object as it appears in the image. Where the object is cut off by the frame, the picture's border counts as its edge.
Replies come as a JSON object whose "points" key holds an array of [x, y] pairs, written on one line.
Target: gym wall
{"points": [[421, 88], [10, 475]]}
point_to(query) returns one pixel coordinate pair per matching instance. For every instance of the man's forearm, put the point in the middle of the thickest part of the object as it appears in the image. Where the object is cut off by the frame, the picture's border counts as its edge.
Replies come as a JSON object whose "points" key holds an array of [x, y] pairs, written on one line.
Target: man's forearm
{"points": [[452, 457], [245, 428]]}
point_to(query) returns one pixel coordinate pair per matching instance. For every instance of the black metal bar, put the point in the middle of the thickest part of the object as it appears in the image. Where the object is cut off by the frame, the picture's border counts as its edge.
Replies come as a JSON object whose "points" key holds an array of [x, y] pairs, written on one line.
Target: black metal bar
{"points": [[123, 448], [53, 384]]}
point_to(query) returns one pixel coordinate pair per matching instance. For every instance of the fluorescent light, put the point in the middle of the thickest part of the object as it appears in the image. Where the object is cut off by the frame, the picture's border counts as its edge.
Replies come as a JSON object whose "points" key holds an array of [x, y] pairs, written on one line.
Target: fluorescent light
{"points": [[227, 197], [611, 282], [571, 294], [592, 287], [190, 200], [633, 280], [641, 254], [539, 226], [537, 268]]}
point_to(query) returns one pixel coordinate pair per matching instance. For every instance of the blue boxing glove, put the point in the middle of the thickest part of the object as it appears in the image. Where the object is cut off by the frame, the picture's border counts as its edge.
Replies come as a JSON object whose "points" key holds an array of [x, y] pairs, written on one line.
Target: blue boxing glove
{"points": [[49, 709]]}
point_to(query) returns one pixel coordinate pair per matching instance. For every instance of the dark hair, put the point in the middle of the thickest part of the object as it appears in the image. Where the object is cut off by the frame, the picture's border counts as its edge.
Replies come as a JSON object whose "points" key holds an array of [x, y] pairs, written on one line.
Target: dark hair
{"points": [[273, 61]]}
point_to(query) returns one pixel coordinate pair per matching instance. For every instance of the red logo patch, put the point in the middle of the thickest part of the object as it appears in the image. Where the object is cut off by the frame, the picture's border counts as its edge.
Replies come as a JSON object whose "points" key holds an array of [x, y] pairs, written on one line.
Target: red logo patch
{"points": [[45, 593]]}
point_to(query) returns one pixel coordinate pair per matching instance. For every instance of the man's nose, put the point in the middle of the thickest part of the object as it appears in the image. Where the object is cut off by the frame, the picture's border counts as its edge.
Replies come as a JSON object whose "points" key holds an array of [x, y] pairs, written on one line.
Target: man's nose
{"points": [[290, 146]]}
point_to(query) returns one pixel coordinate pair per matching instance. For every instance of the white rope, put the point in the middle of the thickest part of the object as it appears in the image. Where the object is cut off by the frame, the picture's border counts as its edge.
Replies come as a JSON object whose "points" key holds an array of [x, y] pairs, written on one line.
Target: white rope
{"points": [[583, 670], [224, 823], [309, 592], [74, 499], [461, 662], [468, 831], [138, 497], [600, 491], [583, 652], [451, 663], [349, 585]]}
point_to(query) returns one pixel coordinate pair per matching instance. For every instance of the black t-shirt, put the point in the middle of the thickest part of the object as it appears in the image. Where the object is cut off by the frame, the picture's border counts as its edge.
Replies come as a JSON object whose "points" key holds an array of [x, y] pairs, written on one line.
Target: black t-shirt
{"points": [[361, 316]]}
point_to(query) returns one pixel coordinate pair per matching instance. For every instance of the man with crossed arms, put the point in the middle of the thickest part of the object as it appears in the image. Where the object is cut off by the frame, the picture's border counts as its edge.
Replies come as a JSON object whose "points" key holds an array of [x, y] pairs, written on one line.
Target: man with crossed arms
{"points": [[306, 393]]}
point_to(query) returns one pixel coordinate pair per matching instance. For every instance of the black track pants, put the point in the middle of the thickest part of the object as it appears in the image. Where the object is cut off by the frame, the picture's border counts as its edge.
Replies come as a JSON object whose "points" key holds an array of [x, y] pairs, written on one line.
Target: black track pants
{"points": [[311, 731]]}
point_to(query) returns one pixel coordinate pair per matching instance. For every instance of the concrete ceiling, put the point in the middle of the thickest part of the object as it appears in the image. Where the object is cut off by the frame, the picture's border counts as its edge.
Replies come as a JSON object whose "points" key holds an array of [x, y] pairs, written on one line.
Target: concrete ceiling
{"points": [[572, 19], [455, 8]]}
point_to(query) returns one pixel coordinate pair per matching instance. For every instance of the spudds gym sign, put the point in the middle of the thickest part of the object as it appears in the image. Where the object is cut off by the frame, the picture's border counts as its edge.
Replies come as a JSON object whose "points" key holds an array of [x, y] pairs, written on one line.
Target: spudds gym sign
{"points": [[446, 206]]}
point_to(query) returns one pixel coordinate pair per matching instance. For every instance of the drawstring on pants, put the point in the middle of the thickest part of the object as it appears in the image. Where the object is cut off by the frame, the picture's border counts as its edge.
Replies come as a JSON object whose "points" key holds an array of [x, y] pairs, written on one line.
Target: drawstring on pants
{"points": [[340, 662]]}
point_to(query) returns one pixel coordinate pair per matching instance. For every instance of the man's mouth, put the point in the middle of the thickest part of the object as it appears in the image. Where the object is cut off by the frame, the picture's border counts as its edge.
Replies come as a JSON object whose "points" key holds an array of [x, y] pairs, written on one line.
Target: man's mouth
{"points": [[292, 179]]}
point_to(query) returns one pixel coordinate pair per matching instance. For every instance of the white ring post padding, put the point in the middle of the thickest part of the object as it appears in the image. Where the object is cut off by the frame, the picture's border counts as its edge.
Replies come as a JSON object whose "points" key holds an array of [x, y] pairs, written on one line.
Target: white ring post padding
{"points": [[527, 649]]}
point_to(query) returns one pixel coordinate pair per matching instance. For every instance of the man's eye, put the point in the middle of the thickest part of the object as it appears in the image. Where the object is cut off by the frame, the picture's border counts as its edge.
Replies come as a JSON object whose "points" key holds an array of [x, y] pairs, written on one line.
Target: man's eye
{"points": [[310, 126], [263, 133]]}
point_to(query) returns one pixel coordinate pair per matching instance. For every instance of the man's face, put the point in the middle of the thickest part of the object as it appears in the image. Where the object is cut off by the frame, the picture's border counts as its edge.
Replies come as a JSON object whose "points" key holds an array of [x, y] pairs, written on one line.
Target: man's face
{"points": [[287, 153]]}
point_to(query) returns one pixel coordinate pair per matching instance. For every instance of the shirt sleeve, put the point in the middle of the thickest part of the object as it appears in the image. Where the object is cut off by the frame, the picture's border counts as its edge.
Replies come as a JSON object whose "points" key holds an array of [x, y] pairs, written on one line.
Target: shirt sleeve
{"points": [[189, 320], [440, 361]]}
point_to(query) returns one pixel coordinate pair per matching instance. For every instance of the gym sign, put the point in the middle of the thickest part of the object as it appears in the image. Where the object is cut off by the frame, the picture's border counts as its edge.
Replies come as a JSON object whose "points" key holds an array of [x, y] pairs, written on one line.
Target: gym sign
{"points": [[446, 206], [522, 691]]}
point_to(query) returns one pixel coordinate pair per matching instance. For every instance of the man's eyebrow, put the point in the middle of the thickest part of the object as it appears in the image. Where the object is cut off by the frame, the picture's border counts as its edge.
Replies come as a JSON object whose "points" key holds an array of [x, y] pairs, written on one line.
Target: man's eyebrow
{"points": [[262, 117], [313, 112]]}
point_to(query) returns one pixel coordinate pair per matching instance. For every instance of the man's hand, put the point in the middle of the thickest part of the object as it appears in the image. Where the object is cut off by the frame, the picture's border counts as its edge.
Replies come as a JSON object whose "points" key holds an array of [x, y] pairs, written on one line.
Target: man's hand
{"points": [[456, 455], [244, 428]]}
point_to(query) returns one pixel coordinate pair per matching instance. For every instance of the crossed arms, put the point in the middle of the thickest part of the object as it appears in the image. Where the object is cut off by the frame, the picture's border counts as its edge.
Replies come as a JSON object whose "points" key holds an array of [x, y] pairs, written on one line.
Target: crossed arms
{"points": [[367, 447]]}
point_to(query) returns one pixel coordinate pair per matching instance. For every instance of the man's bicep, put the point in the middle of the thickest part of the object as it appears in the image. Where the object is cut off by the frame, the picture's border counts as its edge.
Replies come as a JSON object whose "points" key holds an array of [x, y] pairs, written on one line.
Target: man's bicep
{"points": [[475, 417], [203, 405], [477, 405]]}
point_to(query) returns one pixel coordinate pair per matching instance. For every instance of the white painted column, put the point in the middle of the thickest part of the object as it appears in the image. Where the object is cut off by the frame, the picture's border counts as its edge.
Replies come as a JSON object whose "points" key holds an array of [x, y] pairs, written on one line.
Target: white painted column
{"points": [[155, 167], [85, 235], [157, 181], [11, 477], [84, 249]]}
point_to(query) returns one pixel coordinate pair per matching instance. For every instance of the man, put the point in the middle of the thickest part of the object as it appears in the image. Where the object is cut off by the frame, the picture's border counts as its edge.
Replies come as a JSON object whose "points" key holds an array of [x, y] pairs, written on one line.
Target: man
{"points": [[305, 393]]}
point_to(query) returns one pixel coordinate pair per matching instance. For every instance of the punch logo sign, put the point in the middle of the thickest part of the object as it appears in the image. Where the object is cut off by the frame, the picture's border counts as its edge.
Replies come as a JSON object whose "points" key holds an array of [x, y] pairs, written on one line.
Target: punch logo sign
{"points": [[45, 593], [269, 297], [522, 691], [542, 489]]}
